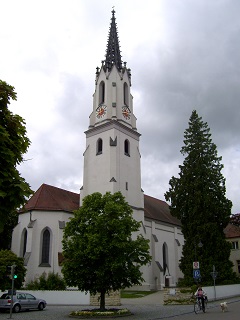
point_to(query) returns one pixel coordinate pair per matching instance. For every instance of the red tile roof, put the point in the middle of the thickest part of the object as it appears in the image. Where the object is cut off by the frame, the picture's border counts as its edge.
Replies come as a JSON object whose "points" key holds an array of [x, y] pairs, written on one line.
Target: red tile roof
{"points": [[232, 231], [156, 209], [49, 198]]}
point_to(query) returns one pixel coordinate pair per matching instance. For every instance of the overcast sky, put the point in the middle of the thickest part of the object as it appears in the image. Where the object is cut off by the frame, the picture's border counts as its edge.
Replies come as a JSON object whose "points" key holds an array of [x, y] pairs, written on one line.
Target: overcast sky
{"points": [[184, 55]]}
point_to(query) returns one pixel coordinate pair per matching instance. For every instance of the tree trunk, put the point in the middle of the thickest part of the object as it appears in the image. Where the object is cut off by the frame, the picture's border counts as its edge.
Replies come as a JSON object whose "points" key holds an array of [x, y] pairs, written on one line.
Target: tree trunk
{"points": [[102, 300]]}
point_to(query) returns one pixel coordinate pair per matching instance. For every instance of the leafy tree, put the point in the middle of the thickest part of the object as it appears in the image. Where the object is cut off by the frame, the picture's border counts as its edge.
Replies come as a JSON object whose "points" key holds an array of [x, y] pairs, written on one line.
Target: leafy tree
{"points": [[13, 144], [100, 254], [8, 258], [6, 234], [51, 282], [235, 219], [198, 199]]}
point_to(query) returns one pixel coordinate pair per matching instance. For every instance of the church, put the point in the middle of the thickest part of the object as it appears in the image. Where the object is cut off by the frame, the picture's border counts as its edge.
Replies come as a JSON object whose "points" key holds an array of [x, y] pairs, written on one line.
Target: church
{"points": [[112, 162]]}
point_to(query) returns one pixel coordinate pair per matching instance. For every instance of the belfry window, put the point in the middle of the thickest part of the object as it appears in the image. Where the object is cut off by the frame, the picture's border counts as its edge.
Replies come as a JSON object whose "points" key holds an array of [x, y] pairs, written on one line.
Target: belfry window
{"points": [[45, 247], [125, 94], [127, 148], [99, 146], [101, 92]]}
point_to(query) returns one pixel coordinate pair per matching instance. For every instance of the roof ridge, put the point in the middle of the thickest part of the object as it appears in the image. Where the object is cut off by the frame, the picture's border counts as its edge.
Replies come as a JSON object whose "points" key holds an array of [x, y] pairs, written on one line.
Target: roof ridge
{"points": [[52, 198], [155, 198], [49, 185]]}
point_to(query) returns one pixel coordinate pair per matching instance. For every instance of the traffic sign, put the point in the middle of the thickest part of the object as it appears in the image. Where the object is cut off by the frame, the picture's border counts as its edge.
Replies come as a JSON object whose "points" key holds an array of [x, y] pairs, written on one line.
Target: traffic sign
{"points": [[214, 275], [196, 265], [196, 274]]}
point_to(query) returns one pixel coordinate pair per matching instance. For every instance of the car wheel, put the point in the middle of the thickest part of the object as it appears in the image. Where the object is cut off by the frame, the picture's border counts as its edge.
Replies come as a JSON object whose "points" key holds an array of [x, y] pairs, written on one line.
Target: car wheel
{"points": [[16, 308], [41, 306]]}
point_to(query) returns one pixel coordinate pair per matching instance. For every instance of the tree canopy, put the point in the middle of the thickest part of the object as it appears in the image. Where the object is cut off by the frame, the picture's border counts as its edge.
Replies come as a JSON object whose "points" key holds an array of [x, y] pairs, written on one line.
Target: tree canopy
{"points": [[13, 145], [100, 254], [197, 198], [8, 258], [235, 219], [6, 234]]}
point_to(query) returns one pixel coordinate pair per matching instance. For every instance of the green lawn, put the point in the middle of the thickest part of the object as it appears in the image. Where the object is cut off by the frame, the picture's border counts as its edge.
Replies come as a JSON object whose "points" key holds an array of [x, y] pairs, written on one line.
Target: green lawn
{"points": [[135, 294]]}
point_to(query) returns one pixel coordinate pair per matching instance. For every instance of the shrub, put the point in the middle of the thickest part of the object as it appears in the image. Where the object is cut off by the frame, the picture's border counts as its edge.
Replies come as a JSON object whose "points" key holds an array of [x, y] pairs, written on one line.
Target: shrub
{"points": [[51, 282]]}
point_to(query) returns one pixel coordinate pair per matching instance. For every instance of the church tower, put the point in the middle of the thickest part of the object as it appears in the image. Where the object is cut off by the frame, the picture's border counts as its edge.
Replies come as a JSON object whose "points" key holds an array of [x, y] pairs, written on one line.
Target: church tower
{"points": [[112, 156]]}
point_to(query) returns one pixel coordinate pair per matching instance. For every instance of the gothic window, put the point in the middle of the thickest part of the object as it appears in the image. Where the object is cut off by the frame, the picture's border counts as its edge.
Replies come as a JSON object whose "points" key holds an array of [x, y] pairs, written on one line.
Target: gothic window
{"points": [[101, 92], [45, 247], [24, 242], [125, 94], [99, 146], [127, 148], [165, 258]]}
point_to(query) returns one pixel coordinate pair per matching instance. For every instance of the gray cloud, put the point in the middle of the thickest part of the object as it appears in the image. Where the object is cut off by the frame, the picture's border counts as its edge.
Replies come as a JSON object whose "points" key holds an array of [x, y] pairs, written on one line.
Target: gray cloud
{"points": [[184, 55]]}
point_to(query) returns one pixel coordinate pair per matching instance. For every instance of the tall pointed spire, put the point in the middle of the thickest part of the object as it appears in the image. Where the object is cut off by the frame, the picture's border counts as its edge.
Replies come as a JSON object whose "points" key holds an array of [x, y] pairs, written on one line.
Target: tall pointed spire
{"points": [[113, 56]]}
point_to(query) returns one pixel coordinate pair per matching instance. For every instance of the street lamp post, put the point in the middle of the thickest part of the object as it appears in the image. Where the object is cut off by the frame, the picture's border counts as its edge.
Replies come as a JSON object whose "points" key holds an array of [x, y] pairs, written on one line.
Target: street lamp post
{"points": [[200, 245]]}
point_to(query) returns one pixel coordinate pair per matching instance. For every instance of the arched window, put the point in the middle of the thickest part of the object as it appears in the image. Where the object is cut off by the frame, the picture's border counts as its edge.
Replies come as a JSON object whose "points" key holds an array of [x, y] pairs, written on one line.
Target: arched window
{"points": [[165, 258], [101, 92], [99, 146], [127, 148], [125, 94], [45, 247], [23, 243]]}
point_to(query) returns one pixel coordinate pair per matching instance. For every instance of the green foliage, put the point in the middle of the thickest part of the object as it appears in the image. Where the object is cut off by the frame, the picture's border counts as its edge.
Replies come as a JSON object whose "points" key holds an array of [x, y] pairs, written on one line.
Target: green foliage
{"points": [[13, 144], [51, 282], [8, 258], [198, 199], [97, 313], [235, 219], [6, 234], [99, 252]]}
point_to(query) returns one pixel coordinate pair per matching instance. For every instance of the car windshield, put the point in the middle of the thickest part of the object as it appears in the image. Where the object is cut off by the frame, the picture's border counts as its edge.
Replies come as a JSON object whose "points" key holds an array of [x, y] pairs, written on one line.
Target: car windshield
{"points": [[5, 296]]}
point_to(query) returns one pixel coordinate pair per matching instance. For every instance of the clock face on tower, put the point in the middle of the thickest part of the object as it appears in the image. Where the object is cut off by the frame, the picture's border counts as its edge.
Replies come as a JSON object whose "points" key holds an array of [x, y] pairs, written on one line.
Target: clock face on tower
{"points": [[101, 111], [126, 112]]}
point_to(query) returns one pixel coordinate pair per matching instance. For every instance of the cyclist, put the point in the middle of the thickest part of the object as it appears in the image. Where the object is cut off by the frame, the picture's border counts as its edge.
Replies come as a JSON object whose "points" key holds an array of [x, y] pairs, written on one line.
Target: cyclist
{"points": [[200, 294]]}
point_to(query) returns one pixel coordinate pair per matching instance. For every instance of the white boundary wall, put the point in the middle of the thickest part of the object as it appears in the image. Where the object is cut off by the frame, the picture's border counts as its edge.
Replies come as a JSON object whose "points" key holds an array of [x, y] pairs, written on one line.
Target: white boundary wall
{"points": [[81, 298], [221, 292], [61, 297]]}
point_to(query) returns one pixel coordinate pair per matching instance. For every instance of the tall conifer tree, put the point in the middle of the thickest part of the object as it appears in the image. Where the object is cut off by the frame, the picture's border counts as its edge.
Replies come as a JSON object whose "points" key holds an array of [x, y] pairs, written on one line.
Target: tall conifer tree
{"points": [[198, 199]]}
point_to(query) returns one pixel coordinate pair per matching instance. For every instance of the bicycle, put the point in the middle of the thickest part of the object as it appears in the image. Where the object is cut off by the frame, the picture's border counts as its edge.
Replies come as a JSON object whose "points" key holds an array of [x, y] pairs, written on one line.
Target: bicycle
{"points": [[198, 305]]}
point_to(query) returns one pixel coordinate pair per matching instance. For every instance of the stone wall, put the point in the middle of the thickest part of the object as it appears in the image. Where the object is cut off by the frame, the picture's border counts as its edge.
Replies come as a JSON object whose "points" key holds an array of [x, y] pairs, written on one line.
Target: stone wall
{"points": [[112, 299]]}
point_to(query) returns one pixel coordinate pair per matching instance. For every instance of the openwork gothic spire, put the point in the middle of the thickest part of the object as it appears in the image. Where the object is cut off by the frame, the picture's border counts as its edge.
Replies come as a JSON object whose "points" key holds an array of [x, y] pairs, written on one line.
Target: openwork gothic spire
{"points": [[113, 56]]}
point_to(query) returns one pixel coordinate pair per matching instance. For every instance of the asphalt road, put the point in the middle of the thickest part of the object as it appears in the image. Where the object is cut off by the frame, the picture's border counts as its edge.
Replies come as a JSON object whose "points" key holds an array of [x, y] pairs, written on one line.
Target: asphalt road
{"points": [[140, 312]]}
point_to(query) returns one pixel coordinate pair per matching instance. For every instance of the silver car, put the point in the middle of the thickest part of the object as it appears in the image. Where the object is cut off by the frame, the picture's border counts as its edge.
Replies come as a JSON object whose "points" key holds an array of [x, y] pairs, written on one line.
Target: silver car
{"points": [[21, 300]]}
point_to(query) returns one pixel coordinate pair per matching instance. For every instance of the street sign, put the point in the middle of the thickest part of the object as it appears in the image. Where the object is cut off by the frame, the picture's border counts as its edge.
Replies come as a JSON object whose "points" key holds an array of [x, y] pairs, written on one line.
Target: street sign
{"points": [[196, 265], [214, 275], [196, 274]]}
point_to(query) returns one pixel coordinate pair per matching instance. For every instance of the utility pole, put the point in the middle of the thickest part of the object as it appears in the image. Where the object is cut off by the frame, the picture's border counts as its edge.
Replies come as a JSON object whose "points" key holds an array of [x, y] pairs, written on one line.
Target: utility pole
{"points": [[12, 277], [214, 276]]}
